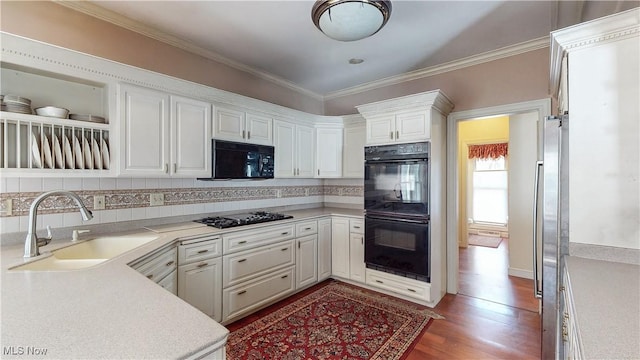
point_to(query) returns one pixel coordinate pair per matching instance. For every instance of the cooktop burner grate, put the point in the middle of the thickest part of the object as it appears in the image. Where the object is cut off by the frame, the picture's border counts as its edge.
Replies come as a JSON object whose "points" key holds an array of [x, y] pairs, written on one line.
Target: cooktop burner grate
{"points": [[232, 220]]}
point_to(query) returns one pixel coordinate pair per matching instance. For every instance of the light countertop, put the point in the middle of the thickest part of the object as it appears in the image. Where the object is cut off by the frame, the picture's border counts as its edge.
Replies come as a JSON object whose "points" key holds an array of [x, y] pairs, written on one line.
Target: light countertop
{"points": [[110, 310], [606, 297]]}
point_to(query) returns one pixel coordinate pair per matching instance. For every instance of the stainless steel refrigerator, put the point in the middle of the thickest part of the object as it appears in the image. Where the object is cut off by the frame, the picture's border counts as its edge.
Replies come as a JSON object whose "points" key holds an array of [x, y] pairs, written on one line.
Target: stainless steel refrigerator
{"points": [[551, 230]]}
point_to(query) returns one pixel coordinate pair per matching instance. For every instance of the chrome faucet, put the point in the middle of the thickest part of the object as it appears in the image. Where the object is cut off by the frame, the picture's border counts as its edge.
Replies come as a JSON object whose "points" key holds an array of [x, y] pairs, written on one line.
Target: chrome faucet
{"points": [[33, 242]]}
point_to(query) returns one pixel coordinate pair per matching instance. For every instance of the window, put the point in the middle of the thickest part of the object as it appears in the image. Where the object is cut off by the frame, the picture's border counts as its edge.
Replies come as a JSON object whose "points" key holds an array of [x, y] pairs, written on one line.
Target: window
{"points": [[489, 190]]}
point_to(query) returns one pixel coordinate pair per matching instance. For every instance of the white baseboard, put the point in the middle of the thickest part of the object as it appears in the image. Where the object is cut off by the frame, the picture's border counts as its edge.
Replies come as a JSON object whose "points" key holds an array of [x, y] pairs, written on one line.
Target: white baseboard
{"points": [[527, 274]]}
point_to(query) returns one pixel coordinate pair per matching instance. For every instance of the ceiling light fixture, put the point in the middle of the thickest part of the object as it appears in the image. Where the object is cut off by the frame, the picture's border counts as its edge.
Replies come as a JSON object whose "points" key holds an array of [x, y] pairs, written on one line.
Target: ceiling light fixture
{"points": [[350, 20]]}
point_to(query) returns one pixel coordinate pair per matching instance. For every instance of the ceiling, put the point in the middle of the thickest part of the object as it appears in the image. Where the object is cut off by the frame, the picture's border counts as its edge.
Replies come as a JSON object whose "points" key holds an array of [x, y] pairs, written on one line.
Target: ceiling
{"points": [[278, 40]]}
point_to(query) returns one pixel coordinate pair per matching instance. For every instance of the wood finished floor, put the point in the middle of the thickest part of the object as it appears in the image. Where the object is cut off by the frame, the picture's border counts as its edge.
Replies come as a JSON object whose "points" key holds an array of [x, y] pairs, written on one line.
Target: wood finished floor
{"points": [[482, 324], [494, 316]]}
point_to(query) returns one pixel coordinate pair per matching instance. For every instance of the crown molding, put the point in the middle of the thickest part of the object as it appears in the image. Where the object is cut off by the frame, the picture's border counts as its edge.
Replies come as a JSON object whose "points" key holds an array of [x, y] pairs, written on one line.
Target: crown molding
{"points": [[129, 24], [501, 53]]}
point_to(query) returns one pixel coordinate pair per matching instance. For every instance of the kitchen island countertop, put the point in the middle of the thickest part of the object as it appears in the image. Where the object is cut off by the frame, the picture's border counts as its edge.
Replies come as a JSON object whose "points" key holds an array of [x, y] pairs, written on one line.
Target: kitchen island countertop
{"points": [[109, 310]]}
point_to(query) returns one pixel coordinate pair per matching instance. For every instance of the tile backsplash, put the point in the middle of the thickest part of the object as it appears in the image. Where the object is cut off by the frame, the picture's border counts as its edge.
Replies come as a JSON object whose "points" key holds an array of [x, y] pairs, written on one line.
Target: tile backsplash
{"points": [[128, 199]]}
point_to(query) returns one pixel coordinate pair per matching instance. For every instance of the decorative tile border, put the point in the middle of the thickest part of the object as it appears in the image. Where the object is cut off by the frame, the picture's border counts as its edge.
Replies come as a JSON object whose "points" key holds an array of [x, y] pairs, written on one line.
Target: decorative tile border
{"points": [[138, 198]]}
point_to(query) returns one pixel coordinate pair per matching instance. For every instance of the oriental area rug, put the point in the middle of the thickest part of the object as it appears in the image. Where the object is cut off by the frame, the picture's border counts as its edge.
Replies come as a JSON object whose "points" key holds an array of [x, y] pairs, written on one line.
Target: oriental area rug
{"points": [[333, 321]]}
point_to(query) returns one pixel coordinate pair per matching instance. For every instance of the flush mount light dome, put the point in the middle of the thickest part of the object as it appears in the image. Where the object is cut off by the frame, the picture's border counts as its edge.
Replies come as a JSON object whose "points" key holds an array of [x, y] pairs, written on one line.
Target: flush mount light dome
{"points": [[350, 20]]}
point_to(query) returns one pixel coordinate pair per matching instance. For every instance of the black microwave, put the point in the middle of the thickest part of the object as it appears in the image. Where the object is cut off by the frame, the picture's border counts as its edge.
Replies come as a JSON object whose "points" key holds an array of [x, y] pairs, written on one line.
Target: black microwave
{"points": [[234, 160]]}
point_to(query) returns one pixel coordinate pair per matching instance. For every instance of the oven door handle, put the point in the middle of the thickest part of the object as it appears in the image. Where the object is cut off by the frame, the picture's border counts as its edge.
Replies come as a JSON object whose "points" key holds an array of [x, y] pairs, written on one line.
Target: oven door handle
{"points": [[403, 161], [404, 220]]}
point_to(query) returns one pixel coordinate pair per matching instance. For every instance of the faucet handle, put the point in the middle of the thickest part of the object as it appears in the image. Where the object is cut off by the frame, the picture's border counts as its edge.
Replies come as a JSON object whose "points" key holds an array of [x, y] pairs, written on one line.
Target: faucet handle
{"points": [[76, 233], [49, 236]]}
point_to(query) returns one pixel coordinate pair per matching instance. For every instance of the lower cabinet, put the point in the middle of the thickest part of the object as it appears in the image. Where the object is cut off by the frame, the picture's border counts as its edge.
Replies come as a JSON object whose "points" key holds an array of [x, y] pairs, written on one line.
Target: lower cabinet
{"points": [[159, 267], [199, 284], [324, 249], [398, 285], [306, 261], [244, 298], [347, 248], [170, 282], [200, 274]]}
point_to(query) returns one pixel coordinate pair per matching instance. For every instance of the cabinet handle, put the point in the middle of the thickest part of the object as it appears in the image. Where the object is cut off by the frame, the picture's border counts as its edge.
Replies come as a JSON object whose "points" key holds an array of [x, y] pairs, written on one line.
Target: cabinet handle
{"points": [[242, 292], [284, 276], [285, 233], [166, 168], [391, 135], [203, 265], [175, 168], [202, 251], [397, 134], [298, 244], [411, 290], [170, 263], [243, 134], [318, 172], [242, 260], [284, 249], [356, 227], [150, 276], [379, 282], [242, 242], [307, 228], [248, 134], [362, 240]]}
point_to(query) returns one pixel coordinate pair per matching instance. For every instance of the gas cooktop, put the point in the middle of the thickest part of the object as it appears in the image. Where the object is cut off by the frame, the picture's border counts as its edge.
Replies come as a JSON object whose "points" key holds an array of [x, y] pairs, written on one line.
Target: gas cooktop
{"points": [[232, 220]]}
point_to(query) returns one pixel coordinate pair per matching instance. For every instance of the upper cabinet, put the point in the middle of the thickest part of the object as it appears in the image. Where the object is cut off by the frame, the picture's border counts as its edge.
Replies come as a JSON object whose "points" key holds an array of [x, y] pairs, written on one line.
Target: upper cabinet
{"points": [[294, 150], [328, 152], [353, 151], [403, 120], [163, 135], [243, 126]]}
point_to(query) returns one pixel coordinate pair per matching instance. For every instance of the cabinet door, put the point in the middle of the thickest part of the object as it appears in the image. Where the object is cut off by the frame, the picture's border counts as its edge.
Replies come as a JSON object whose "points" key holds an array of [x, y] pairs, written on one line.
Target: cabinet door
{"points": [[305, 154], [340, 247], [259, 129], [413, 126], [356, 257], [229, 125], [145, 131], [190, 135], [200, 284], [381, 130], [353, 152], [284, 141], [329, 153], [170, 282], [306, 261], [324, 249]]}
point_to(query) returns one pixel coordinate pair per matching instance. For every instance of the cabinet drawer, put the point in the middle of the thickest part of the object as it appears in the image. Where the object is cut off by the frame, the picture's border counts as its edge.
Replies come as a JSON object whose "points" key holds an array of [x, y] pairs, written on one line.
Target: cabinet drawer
{"points": [[170, 282], [248, 264], [356, 226], [306, 228], [399, 285], [244, 240], [189, 252], [159, 266], [244, 298]]}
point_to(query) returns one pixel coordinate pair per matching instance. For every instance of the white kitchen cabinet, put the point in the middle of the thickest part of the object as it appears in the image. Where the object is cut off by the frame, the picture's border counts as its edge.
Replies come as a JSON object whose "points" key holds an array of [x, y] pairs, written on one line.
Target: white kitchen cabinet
{"points": [[356, 250], [340, 247], [200, 274], [190, 137], [324, 249], [398, 127], [328, 152], [353, 151], [160, 267], [238, 125], [163, 135], [144, 131], [294, 150], [245, 265], [199, 284], [306, 261], [170, 282]]}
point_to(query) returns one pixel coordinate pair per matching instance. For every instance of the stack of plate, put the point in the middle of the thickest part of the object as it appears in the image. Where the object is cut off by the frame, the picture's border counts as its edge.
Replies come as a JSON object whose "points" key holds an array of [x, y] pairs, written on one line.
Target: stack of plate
{"points": [[91, 118], [16, 104]]}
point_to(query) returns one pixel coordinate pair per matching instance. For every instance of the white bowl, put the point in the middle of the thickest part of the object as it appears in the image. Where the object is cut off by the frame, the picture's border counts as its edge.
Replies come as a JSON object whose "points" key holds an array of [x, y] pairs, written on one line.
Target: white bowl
{"points": [[52, 111]]}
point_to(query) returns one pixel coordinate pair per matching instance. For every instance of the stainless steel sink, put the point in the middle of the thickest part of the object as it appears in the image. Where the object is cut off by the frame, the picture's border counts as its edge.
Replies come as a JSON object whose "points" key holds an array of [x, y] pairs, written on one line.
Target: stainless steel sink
{"points": [[87, 253]]}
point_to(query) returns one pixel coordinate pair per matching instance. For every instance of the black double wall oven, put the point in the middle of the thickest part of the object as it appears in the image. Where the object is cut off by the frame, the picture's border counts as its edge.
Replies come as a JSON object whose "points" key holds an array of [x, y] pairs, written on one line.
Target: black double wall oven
{"points": [[396, 202]]}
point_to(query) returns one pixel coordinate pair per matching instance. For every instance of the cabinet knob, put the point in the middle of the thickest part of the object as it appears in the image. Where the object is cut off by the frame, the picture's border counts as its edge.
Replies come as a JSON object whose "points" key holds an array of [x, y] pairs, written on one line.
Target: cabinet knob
{"points": [[170, 263]]}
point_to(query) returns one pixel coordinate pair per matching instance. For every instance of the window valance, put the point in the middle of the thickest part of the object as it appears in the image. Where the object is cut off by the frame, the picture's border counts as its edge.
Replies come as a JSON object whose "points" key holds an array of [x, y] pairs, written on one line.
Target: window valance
{"points": [[488, 151]]}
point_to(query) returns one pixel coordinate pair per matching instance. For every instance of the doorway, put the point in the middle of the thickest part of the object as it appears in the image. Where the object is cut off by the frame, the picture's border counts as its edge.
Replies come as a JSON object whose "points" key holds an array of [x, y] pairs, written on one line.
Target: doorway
{"points": [[502, 274]]}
